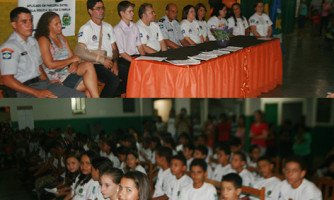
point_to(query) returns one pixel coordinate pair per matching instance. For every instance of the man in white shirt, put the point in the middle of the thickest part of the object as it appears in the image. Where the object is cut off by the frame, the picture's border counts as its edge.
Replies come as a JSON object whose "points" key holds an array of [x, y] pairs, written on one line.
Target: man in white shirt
{"points": [[199, 190], [296, 186], [267, 179], [170, 28], [149, 31], [88, 42]]}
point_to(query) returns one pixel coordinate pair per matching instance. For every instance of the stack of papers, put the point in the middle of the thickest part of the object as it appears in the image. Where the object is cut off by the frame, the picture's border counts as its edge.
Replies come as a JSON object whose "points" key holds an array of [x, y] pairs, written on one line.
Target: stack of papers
{"points": [[151, 58], [184, 62], [231, 48], [203, 56], [264, 38], [217, 52]]}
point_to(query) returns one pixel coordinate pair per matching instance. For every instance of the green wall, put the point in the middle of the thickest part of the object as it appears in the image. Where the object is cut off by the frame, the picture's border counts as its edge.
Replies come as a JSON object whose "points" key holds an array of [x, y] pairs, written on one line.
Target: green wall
{"points": [[82, 125]]}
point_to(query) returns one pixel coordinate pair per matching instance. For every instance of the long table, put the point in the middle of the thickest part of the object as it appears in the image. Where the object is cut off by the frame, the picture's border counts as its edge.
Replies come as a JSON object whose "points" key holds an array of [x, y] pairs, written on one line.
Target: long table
{"points": [[255, 69]]}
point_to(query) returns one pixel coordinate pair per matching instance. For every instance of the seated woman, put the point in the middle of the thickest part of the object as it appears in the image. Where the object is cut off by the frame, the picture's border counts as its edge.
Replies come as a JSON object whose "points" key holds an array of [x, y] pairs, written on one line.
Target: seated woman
{"points": [[260, 23], [238, 22], [60, 64], [217, 19], [190, 27], [200, 16]]}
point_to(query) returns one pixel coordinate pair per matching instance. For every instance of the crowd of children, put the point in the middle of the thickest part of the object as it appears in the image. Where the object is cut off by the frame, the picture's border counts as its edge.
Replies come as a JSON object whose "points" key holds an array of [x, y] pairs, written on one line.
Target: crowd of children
{"points": [[68, 165]]}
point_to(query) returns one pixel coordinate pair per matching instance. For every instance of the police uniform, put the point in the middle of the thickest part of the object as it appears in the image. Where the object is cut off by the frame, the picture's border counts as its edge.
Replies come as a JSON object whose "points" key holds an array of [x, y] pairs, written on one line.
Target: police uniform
{"points": [[239, 27], [22, 59], [215, 22], [171, 30], [306, 191], [203, 27], [150, 35], [191, 30], [262, 23], [89, 35]]}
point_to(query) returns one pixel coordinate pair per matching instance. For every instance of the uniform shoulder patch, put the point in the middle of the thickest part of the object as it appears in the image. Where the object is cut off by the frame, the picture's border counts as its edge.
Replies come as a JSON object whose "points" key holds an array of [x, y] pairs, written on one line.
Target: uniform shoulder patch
{"points": [[80, 34], [7, 53], [161, 26], [162, 20]]}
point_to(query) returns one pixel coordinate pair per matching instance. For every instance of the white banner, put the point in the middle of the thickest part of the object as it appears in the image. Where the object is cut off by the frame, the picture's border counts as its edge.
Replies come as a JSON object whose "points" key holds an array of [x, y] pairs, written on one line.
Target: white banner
{"points": [[64, 8]]}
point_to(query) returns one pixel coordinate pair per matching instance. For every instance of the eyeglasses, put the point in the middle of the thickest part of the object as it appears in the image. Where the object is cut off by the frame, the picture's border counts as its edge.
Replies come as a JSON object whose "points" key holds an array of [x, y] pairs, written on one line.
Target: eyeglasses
{"points": [[99, 8]]}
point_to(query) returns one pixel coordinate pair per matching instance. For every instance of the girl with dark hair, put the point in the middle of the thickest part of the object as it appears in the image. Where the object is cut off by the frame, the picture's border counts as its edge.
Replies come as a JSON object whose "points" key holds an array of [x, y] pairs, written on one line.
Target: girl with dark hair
{"points": [[83, 187], [217, 19], [107, 148], [60, 64], [110, 180], [99, 165], [134, 186], [260, 23], [200, 16], [132, 162], [190, 27], [238, 22]]}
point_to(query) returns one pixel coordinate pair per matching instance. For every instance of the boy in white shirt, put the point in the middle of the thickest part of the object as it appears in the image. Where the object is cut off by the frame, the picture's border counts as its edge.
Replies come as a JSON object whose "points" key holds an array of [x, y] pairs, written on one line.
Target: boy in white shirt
{"points": [[180, 180], [199, 190], [149, 31], [201, 152], [267, 179], [163, 156], [238, 164], [188, 152], [296, 186], [231, 186], [223, 166]]}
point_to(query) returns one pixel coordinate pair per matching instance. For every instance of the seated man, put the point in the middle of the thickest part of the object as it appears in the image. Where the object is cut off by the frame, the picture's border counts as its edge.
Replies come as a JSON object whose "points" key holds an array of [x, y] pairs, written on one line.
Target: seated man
{"points": [[127, 39], [102, 52], [170, 28], [150, 34], [296, 186], [21, 61]]}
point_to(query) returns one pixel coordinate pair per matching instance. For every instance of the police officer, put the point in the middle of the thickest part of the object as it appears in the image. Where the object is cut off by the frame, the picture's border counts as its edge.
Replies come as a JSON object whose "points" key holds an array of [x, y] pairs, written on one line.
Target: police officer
{"points": [[21, 61], [170, 28], [149, 31], [88, 38]]}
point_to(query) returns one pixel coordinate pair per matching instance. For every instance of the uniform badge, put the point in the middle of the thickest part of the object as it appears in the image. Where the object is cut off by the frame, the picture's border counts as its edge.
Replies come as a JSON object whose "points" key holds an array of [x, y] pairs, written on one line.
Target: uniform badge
{"points": [[190, 31], [183, 31], [80, 190], [94, 38], [109, 37], [161, 26], [7, 53], [80, 34], [148, 37], [200, 27], [94, 190], [24, 53], [252, 20], [162, 20]]}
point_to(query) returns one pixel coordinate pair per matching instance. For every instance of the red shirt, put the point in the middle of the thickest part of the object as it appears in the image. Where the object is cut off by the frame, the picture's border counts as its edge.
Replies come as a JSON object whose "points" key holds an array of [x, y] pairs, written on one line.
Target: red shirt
{"points": [[257, 129], [224, 131]]}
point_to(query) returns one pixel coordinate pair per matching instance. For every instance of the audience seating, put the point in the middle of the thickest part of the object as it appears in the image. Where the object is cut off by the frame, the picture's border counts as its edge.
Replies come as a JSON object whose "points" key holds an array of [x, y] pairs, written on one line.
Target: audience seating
{"points": [[326, 185], [260, 193]]}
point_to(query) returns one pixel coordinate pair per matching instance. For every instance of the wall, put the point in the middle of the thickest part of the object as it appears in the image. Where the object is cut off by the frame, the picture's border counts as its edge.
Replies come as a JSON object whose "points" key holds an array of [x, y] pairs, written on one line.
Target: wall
{"points": [[82, 17]]}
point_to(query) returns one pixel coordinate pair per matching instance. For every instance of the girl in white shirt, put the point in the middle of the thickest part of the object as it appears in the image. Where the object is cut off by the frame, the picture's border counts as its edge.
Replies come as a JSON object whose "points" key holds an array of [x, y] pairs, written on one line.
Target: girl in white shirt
{"points": [[132, 162], [190, 27], [217, 19], [110, 180], [99, 165], [238, 22], [260, 23], [200, 16]]}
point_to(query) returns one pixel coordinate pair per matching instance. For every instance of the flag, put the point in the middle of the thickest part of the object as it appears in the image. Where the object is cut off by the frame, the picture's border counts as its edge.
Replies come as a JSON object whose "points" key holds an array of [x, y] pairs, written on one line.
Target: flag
{"points": [[266, 6], [276, 18]]}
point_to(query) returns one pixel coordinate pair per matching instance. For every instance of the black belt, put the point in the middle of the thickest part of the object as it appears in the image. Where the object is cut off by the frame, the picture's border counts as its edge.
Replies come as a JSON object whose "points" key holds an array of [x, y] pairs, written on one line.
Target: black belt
{"points": [[31, 81]]}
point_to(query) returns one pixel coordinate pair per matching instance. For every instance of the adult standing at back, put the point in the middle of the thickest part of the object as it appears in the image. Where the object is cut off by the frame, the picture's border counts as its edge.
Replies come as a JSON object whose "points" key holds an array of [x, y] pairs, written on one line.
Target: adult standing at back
{"points": [[170, 28], [259, 131], [90, 47], [260, 23], [150, 33]]}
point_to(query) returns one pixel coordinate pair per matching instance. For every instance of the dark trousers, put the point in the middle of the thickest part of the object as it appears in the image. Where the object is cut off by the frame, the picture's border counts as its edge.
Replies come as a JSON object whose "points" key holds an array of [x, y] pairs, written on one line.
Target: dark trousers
{"points": [[123, 71], [110, 80]]}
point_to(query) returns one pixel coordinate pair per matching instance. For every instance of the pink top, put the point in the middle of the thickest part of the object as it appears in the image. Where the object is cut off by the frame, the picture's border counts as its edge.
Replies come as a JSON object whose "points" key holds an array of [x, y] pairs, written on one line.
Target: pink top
{"points": [[127, 38]]}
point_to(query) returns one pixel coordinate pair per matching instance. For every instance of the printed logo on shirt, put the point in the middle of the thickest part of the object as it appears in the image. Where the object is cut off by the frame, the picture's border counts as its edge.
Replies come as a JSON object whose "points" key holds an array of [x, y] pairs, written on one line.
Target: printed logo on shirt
{"points": [[178, 193], [183, 31], [148, 37], [190, 31], [93, 190], [269, 193], [157, 35], [109, 37], [94, 38], [24, 53], [7, 53], [170, 30], [200, 27], [267, 21], [80, 190], [161, 26], [140, 35], [80, 34], [252, 21]]}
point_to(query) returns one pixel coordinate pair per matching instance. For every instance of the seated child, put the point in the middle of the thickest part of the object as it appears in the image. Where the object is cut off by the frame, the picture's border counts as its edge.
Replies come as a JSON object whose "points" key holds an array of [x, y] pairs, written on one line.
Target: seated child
{"points": [[188, 152], [223, 166], [199, 190], [132, 162], [238, 164], [231, 186], [110, 180]]}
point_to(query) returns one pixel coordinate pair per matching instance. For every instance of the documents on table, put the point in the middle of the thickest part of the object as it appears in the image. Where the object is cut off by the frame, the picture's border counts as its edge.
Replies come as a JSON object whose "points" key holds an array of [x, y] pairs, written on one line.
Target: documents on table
{"points": [[184, 62], [217, 52], [203, 56], [231, 48], [151, 58]]}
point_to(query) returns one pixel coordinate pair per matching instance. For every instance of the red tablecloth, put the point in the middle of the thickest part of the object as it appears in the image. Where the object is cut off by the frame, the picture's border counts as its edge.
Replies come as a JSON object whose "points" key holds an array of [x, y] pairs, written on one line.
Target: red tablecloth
{"points": [[245, 73]]}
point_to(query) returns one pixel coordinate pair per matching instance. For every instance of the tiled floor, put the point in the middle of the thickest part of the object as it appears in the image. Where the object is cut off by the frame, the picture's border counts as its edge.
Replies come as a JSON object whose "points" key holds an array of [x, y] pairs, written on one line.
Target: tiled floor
{"points": [[308, 68]]}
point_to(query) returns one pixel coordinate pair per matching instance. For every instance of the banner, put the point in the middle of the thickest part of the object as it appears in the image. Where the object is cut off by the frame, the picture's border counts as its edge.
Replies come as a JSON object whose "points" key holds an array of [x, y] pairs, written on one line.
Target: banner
{"points": [[64, 8], [276, 18]]}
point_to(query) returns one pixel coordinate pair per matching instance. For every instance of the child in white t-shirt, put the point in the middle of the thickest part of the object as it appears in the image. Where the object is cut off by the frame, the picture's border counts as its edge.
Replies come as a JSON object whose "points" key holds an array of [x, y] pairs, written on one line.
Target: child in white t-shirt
{"points": [[201, 152], [231, 186], [223, 167], [199, 190], [132, 162], [188, 152], [238, 164]]}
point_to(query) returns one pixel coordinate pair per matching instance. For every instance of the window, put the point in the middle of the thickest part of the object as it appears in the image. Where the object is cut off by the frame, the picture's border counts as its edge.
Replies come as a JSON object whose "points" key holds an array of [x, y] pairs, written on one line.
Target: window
{"points": [[78, 105]]}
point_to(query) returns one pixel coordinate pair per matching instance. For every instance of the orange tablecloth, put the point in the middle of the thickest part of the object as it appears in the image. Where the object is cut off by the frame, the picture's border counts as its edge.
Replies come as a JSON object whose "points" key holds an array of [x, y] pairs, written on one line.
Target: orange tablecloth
{"points": [[245, 73]]}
